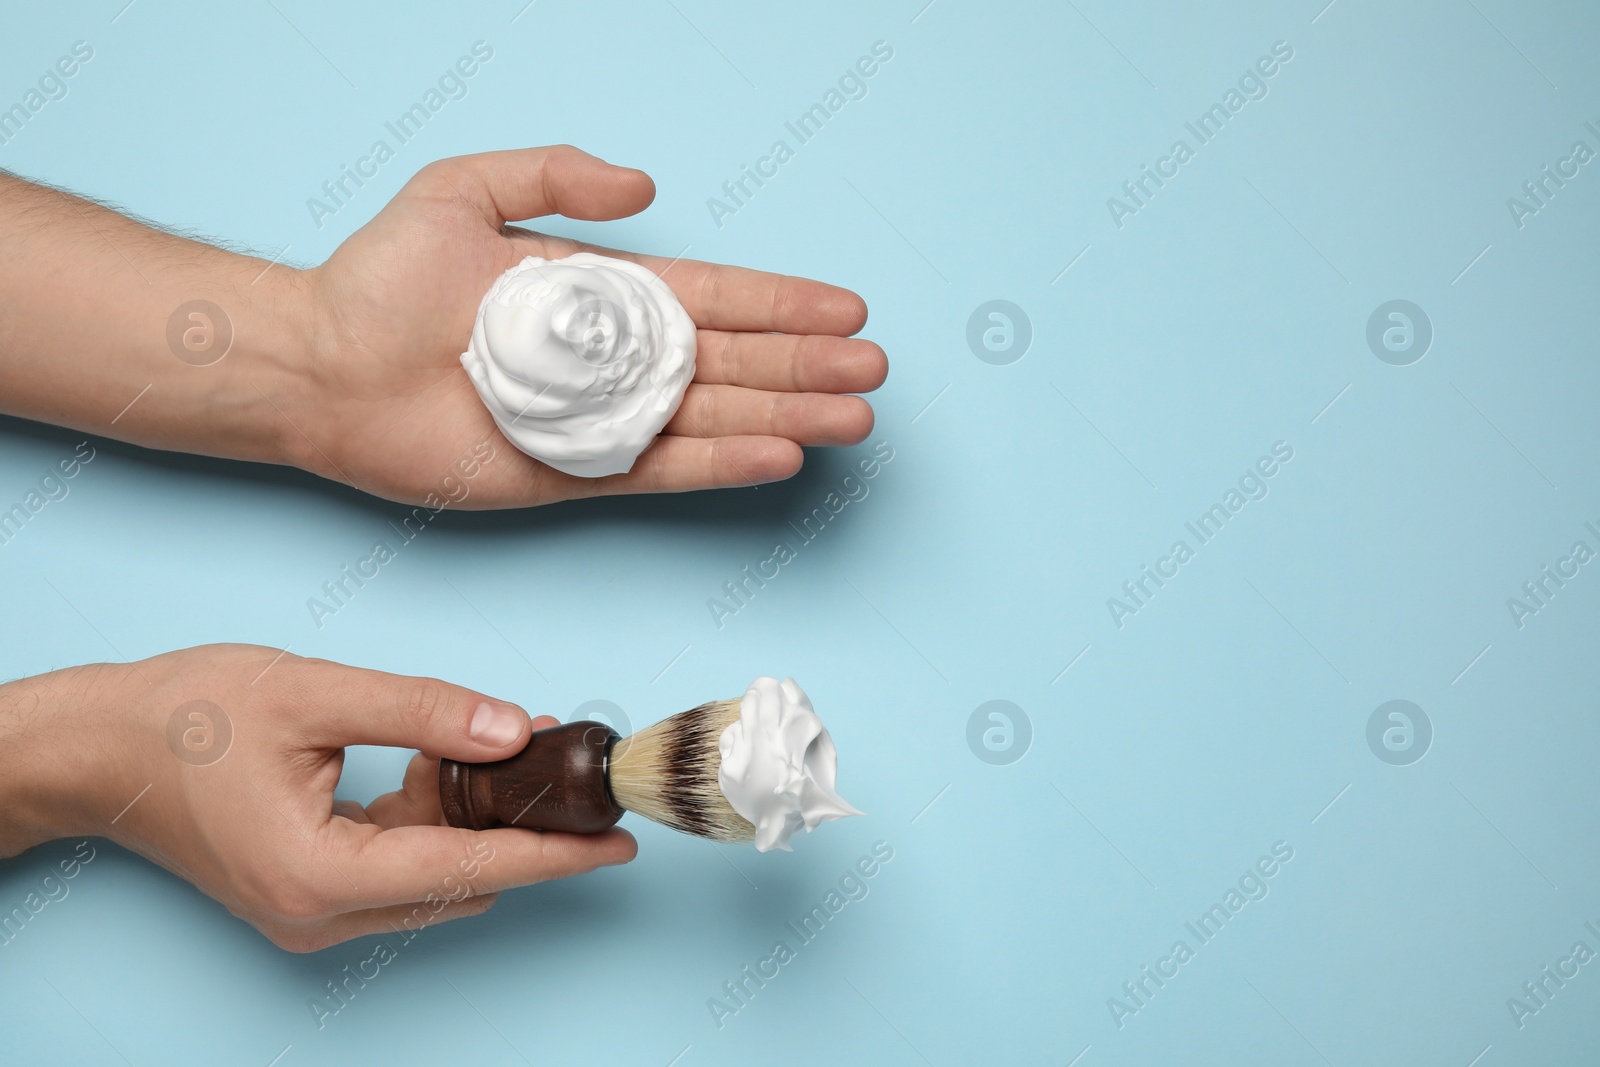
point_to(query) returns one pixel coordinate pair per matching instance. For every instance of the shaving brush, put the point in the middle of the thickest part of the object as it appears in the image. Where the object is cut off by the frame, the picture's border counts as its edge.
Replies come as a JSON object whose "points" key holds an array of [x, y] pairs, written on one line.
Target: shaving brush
{"points": [[581, 776], [756, 769]]}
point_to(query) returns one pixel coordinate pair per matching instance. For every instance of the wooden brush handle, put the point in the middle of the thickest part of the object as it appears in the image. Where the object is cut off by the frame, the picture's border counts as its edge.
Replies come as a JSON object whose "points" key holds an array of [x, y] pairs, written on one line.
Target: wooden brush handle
{"points": [[558, 782]]}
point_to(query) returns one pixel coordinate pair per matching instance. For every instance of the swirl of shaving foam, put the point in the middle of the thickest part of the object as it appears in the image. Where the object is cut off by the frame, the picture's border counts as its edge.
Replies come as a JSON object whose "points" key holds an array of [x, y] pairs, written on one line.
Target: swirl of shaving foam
{"points": [[581, 361], [779, 764]]}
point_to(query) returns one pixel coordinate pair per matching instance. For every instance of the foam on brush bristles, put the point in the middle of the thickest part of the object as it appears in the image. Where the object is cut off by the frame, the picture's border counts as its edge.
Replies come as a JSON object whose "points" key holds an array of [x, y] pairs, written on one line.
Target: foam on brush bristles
{"points": [[668, 774]]}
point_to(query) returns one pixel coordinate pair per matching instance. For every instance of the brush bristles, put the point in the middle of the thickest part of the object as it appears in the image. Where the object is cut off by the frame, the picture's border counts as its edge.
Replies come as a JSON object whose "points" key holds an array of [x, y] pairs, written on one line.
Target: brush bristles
{"points": [[668, 774]]}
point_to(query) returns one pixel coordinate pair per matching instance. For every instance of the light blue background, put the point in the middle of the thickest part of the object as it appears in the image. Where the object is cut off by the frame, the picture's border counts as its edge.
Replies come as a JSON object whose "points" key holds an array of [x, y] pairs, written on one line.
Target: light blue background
{"points": [[1229, 714]]}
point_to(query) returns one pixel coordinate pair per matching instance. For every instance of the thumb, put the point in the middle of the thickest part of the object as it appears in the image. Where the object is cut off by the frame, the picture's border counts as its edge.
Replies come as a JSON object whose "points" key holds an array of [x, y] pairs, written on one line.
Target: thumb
{"points": [[352, 706], [416, 802], [526, 183]]}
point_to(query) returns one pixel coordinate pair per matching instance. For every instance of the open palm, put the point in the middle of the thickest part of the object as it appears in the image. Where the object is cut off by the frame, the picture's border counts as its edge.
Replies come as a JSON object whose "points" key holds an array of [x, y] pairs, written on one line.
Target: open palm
{"points": [[394, 306]]}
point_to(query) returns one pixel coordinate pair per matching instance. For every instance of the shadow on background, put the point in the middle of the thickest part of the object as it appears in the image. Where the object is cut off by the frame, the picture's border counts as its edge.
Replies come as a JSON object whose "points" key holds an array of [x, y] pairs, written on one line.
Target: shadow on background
{"points": [[757, 509]]}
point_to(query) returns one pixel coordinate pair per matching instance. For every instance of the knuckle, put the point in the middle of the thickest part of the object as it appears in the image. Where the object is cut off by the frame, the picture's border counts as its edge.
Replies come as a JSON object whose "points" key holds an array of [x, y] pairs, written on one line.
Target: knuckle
{"points": [[433, 172], [443, 180], [782, 301], [711, 287], [300, 676], [800, 361], [424, 703], [706, 405]]}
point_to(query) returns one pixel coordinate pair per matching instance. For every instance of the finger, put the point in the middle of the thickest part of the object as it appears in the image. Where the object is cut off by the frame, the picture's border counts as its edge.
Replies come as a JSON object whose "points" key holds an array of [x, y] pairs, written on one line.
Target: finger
{"points": [[341, 705], [789, 363], [718, 297], [670, 464], [736, 298], [409, 862], [526, 183], [416, 802], [400, 921], [804, 418], [685, 464], [408, 920]]}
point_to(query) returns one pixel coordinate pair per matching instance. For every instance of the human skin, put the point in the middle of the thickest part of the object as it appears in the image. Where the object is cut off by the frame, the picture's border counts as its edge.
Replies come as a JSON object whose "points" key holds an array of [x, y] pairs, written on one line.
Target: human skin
{"points": [[85, 752], [351, 369]]}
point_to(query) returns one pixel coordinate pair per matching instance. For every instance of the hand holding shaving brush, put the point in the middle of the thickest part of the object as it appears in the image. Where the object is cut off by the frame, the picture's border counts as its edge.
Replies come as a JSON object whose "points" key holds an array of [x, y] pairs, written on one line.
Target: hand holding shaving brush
{"points": [[755, 769]]}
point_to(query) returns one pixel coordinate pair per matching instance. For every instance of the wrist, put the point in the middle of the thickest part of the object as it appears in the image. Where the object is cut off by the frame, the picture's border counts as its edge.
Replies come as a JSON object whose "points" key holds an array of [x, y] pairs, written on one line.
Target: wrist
{"points": [[271, 380], [299, 374], [243, 342], [42, 773], [75, 750]]}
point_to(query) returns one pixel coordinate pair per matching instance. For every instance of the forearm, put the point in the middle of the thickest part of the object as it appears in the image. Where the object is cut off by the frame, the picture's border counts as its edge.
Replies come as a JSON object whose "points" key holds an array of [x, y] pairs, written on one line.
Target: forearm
{"points": [[88, 300]]}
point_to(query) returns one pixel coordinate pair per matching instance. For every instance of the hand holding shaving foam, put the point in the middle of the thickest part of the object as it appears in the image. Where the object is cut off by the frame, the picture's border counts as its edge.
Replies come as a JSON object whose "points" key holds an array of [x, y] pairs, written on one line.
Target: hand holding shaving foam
{"points": [[581, 360], [352, 369], [390, 407]]}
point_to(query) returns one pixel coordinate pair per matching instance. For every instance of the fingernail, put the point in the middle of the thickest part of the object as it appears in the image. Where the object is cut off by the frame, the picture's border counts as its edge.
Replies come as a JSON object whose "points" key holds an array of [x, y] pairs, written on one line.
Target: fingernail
{"points": [[496, 724]]}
